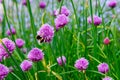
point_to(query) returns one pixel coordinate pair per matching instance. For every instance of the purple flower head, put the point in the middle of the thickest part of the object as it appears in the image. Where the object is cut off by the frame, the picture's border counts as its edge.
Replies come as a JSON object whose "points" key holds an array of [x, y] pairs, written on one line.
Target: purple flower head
{"points": [[0, 1], [1, 77], [13, 31], [3, 71], [106, 41], [61, 60], [96, 20], [65, 11], [3, 52], [103, 67], [112, 3], [46, 32], [26, 65], [10, 45], [42, 4], [107, 78], [35, 55], [61, 21], [19, 43], [24, 2], [56, 12], [81, 64]]}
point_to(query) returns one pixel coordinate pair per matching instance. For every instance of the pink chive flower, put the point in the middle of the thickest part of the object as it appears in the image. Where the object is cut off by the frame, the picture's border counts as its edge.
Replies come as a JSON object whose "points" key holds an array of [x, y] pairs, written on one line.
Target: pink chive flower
{"points": [[3, 71], [112, 3], [24, 2], [106, 41], [96, 20], [55, 12], [0, 1], [42, 4], [46, 32], [61, 60], [9, 44], [61, 21], [12, 30], [3, 52], [35, 55], [103, 67], [26, 65], [65, 11], [20, 42], [107, 78], [81, 64]]}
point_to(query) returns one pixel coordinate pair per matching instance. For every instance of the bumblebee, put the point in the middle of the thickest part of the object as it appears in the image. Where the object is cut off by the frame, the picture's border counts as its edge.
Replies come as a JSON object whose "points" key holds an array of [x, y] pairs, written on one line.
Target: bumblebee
{"points": [[40, 39]]}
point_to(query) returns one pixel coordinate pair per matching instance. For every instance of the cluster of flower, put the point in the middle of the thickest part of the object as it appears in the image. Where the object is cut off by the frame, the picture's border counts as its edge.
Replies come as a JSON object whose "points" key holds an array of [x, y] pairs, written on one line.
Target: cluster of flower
{"points": [[46, 31]]}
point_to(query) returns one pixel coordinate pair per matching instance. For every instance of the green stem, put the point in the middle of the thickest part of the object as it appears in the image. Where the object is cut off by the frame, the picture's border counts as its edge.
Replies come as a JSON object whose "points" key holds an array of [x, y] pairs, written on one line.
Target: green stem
{"points": [[94, 28], [3, 28], [4, 7], [78, 39], [9, 26], [61, 5], [32, 20], [51, 50], [76, 17], [12, 39], [18, 17], [15, 76], [86, 9]]}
